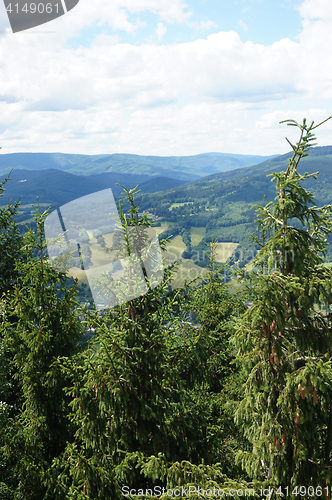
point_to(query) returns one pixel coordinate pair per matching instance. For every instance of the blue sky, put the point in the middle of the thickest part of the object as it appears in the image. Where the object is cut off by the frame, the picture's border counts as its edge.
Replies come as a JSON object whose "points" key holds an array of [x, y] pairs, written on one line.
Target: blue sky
{"points": [[166, 77], [259, 21]]}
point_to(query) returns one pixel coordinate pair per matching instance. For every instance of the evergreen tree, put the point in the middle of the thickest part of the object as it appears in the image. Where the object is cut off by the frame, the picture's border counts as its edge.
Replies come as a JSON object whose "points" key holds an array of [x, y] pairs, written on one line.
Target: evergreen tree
{"points": [[10, 250], [10, 241], [214, 377], [284, 339], [39, 325], [133, 388]]}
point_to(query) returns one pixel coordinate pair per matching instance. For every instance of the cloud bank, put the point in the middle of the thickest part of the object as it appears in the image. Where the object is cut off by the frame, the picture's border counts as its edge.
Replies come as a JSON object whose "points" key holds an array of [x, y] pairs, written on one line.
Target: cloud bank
{"points": [[212, 94]]}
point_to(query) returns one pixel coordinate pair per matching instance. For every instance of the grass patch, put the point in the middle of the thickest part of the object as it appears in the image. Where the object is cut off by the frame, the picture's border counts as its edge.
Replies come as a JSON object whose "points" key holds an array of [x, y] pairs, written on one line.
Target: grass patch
{"points": [[76, 272], [176, 205], [197, 234], [187, 270], [174, 250], [224, 251], [160, 229]]}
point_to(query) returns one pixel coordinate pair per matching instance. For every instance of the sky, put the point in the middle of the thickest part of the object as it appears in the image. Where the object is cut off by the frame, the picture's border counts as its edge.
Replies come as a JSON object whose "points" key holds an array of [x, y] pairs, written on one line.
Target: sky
{"points": [[167, 77]]}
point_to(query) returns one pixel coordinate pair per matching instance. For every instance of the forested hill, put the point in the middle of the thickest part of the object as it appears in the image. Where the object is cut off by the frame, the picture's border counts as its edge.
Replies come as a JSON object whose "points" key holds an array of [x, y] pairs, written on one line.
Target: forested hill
{"points": [[177, 167], [56, 188], [223, 203], [250, 185]]}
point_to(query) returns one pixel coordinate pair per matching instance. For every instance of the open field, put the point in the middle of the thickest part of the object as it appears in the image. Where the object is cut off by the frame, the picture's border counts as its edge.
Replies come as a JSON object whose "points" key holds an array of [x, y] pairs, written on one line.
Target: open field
{"points": [[224, 251], [187, 270], [99, 256], [76, 272], [175, 205], [160, 229], [197, 234], [174, 250]]}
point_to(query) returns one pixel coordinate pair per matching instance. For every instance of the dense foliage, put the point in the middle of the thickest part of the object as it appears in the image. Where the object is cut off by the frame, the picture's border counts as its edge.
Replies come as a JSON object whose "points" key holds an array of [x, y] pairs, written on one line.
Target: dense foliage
{"points": [[197, 387]]}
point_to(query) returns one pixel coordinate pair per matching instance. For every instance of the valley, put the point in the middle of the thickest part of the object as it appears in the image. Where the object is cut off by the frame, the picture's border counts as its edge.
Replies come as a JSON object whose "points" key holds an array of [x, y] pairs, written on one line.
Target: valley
{"points": [[219, 206]]}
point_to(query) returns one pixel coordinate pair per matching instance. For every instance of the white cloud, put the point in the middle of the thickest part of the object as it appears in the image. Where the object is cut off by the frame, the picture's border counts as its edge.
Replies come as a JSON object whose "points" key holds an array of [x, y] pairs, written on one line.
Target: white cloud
{"points": [[316, 9], [206, 25], [220, 68], [316, 42], [118, 14], [271, 120], [161, 30], [243, 25], [213, 94]]}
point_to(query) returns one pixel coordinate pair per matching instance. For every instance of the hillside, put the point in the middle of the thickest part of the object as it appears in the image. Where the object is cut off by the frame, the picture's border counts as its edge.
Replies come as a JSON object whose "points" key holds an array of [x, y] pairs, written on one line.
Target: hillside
{"points": [[55, 188], [219, 205], [177, 167], [223, 203]]}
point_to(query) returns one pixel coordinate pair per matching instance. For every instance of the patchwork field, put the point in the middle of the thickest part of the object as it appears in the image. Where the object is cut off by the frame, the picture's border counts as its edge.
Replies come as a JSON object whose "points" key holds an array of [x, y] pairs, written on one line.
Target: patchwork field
{"points": [[187, 270], [99, 256]]}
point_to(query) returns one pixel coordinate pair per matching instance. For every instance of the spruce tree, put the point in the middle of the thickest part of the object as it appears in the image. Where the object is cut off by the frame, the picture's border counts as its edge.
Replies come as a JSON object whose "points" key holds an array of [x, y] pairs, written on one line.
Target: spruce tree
{"points": [[10, 251], [132, 391], [284, 339], [10, 241], [210, 368], [39, 325]]}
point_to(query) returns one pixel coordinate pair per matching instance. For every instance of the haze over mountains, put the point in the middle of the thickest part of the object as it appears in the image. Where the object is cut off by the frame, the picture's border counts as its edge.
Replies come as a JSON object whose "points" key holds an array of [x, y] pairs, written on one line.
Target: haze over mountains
{"points": [[174, 180], [177, 167]]}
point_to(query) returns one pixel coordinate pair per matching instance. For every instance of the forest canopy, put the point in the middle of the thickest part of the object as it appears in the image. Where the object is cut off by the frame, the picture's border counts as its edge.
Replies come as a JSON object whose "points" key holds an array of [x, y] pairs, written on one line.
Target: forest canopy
{"points": [[209, 389]]}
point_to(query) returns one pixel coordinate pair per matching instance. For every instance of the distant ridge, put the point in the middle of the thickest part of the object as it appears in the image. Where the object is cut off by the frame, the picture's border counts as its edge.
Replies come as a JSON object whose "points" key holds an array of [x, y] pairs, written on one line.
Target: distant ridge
{"points": [[57, 188], [223, 202], [185, 168]]}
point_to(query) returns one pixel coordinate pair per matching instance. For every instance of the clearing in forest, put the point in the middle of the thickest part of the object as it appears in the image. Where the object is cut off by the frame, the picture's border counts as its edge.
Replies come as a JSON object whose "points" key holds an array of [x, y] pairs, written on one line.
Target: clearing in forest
{"points": [[224, 251], [197, 234]]}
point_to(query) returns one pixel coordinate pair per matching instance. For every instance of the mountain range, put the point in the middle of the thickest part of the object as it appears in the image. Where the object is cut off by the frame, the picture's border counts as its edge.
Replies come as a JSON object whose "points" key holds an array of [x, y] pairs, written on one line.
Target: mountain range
{"points": [[185, 168], [221, 202]]}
